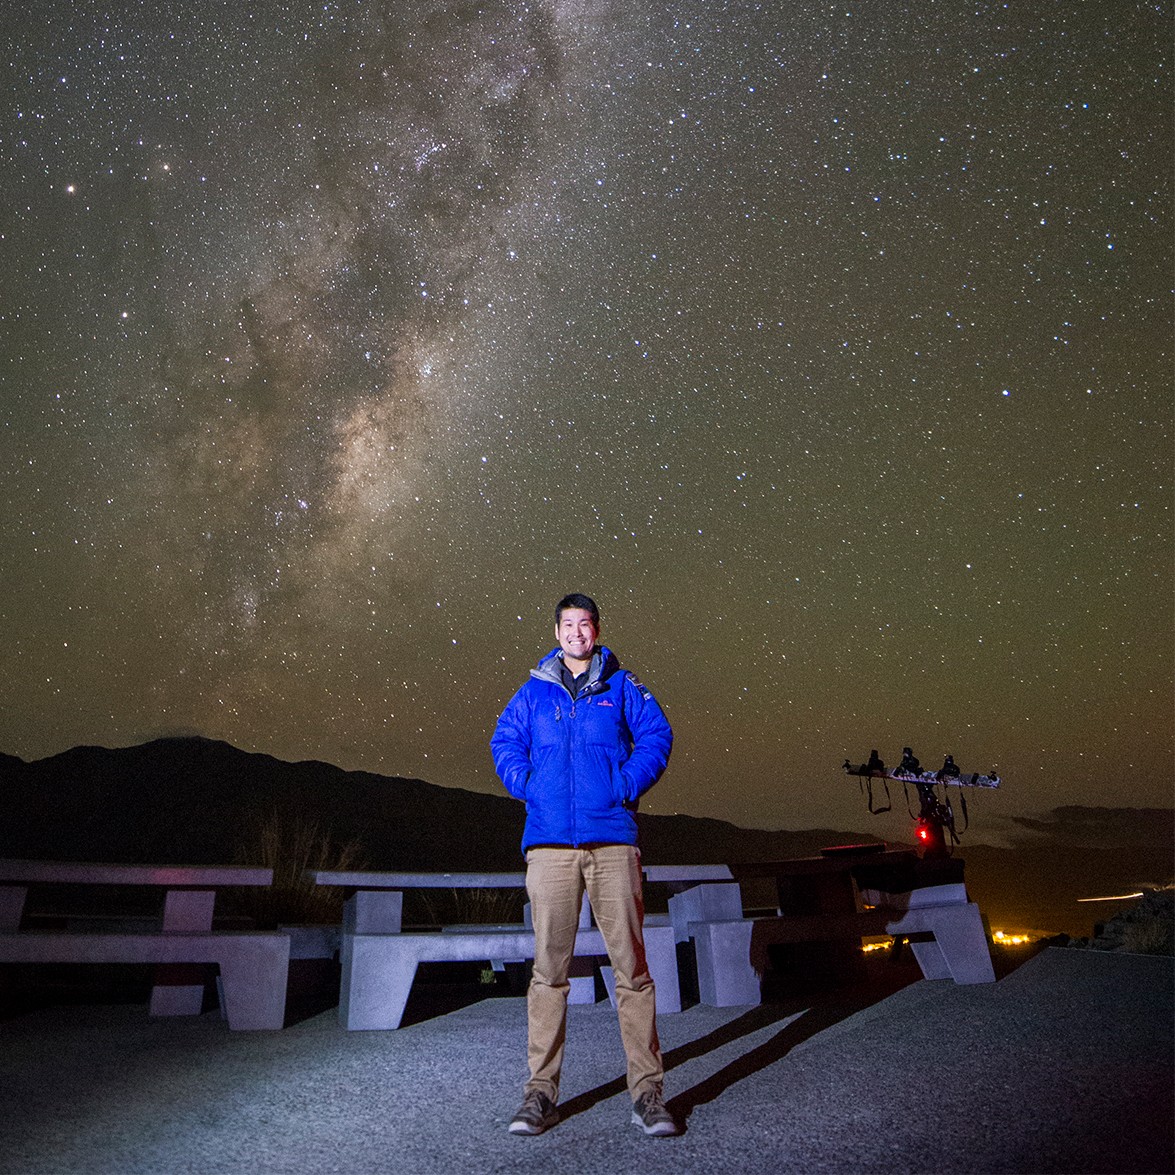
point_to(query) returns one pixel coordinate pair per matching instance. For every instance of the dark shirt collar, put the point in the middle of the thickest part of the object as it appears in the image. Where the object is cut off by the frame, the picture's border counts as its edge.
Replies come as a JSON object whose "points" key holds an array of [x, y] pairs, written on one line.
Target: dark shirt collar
{"points": [[575, 683]]}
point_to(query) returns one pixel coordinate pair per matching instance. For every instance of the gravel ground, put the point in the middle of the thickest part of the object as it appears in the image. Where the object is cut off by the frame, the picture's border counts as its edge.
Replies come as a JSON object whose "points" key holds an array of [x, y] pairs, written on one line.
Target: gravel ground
{"points": [[1065, 1064]]}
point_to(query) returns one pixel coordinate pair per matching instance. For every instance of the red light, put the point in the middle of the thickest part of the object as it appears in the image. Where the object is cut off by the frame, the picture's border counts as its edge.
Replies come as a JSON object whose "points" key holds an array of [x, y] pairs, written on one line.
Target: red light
{"points": [[928, 836]]}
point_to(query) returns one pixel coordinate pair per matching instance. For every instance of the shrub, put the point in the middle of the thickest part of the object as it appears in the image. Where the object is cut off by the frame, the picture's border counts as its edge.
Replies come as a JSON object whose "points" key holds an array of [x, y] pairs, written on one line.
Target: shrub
{"points": [[290, 845], [1153, 935], [454, 907], [1146, 928]]}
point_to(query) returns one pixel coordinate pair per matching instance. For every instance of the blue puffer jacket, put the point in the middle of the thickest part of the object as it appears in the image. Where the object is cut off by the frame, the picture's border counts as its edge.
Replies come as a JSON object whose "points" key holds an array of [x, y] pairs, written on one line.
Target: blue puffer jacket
{"points": [[581, 765]]}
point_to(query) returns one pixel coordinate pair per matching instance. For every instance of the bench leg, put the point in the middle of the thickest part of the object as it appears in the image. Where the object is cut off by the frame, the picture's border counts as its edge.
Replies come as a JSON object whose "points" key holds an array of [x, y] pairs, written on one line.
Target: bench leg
{"points": [[661, 953], [377, 977], [176, 999], [960, 942], [177, 991], [254, 978], [581, 977], [931, 959], [963, 942], [711, 902], [726, 978], [12, 899], [374, 912]]}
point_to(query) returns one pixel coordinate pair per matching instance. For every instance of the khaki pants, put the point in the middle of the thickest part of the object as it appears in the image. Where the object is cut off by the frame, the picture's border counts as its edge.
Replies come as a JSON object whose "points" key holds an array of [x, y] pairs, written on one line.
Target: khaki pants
{"points": [[555, 883]]}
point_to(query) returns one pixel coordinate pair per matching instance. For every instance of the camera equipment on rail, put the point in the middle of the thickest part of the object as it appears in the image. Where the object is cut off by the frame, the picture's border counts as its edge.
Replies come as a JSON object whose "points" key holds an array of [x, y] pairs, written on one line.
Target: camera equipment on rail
{"points": [[935, 830]]}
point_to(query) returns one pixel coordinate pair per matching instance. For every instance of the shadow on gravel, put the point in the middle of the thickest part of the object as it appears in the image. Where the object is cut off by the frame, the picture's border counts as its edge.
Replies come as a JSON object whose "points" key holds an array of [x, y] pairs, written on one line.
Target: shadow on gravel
{"points": [[802, 1013]]}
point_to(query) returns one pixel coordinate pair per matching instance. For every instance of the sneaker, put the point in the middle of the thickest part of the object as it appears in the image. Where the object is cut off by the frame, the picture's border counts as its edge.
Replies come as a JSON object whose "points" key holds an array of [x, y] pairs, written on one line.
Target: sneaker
{"points": [[536, 1114], [650, 1114]]}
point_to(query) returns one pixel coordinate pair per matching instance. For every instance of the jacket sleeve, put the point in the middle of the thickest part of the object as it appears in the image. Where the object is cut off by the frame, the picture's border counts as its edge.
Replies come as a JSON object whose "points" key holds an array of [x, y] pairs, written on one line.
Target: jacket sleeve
{"points": [[652, 739], [510, 746]]}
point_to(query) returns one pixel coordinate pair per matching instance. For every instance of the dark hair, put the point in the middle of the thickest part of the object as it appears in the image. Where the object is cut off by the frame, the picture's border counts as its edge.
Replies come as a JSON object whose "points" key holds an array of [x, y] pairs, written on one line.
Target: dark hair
{"points": [[578, 600]]}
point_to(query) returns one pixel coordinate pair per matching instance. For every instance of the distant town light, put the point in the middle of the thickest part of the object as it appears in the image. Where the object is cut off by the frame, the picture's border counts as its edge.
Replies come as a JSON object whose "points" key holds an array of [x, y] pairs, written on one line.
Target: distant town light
{"points": [[1010, 940]]}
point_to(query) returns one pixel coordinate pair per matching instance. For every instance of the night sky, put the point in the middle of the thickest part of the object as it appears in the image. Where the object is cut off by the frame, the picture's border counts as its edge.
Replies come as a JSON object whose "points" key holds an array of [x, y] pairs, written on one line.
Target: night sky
{"points": [[827, 347]]}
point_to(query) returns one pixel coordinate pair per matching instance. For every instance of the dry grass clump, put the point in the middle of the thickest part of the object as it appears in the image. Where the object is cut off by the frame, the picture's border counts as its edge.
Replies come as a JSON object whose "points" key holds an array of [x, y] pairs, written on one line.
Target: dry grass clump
{"points": [[291, 844], [462, 907], [1150, 936]]}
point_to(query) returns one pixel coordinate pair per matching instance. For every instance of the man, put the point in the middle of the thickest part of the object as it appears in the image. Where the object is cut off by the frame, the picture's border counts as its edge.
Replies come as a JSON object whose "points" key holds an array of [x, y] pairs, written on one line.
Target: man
{"points": [[579, 743]]}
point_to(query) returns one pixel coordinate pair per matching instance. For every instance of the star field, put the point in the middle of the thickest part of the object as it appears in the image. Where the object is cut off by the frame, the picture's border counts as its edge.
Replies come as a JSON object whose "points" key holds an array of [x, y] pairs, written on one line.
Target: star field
{"points": [[828, 348]]}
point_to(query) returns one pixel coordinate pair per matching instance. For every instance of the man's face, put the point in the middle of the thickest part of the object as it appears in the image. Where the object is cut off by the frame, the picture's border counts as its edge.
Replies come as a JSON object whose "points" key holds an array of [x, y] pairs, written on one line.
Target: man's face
{"points": [[576, 635]]}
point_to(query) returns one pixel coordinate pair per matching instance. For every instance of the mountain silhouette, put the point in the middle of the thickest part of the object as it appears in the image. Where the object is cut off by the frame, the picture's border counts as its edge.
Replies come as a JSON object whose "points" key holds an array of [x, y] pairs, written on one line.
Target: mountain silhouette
{"points": [[196, 801], [199, 801]]}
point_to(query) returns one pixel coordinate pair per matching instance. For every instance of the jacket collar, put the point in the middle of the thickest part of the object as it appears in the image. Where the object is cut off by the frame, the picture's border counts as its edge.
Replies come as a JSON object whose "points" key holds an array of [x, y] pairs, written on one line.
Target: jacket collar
{"points": [[604, 665]]}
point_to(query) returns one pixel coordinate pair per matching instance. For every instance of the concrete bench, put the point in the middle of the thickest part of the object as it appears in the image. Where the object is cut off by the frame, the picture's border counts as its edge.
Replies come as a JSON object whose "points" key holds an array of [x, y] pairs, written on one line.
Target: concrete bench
{"points": [[959, 950], [731, 952], [681, 878], [376, 903], [581, 976], [373, 914], [253, 966], [378, 969]]}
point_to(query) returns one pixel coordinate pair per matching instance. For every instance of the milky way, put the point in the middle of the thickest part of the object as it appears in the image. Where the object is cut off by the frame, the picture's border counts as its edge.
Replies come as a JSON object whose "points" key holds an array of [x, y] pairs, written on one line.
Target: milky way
{"points": [[829, 349]]}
